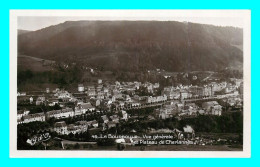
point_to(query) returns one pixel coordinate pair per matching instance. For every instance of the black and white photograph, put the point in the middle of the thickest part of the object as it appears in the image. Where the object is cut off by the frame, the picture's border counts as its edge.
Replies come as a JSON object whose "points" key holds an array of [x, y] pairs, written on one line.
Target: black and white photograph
{"points": [[135, 83]]}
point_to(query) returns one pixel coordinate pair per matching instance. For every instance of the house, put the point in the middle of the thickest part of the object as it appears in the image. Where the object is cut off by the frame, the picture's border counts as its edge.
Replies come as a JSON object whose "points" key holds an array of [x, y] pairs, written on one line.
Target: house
{"points": [[62, 94], [117, 83], [107, 102], [22, 113], [197, 91], [99, 81], [167, 111], [231, 102], [127, 98], [135, 104], [34, 117], [184, 94], [105, 119], [97, 103], [61, 128], [73, 129], [86, 107], [81, 88], [192, 111], [156, 85], [105, 90], [111, 124], [64, 113], [179, 106], [47, 90], [100, 97], [91, 88], [190, 106], [171, 93], [218, 86], [21, 93], [56, 90], [53, 102], [119, 105], [31, 100], [188, 132], [212, 107], [40, 100], [91, 92], [78, 111], [125, 115], [150, 88], [83, 125], [113, 99], [201, 112], [114, 118], [156, 99], [93, 123]]}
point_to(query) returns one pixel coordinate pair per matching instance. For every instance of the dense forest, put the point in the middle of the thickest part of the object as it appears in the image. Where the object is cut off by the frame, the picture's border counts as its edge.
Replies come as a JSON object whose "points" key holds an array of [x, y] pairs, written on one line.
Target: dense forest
{"points": [[137, 45]]}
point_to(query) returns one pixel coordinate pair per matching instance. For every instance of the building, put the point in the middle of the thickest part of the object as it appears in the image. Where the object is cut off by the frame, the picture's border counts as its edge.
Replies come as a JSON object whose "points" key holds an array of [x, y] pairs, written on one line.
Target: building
{"points": [[119, 105], [86, 107], [82, 108], [31, 100], [78, 111], [58, 114], [22, 113], [188, 132], [184, 94], [135, 104], [197, 91], [99, 81], [150, 88], [114, 118], [111, 124], [34, 117], [53, 102], [61, 128], [167, 111], [21, 93], [218, 86], [93, 123], [83, 125], [73, 129], [62, 94], [105, 119], [81, 88], [171, 93], [125, 115], [212, 107], [91, 92], [156, 85], [97, 102], [40, 100], [156, 99]]}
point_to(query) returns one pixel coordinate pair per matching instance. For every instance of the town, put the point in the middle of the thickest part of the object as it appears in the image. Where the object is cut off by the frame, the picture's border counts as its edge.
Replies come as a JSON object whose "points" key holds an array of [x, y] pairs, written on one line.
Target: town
{"points": [[119, 107]]}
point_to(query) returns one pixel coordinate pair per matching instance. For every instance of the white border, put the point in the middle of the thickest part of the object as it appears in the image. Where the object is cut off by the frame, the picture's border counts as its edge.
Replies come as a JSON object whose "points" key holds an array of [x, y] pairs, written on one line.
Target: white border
{"points": [[132, 15]]}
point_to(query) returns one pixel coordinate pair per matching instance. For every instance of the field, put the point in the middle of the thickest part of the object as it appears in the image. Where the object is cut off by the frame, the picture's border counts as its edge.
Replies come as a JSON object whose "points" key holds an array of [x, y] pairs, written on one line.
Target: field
{"points": [[32, 63]]}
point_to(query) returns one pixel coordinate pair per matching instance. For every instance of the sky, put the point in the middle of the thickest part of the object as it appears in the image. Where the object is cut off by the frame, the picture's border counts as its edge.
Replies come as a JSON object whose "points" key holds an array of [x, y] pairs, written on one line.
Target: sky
{"points": [[33, 23]]}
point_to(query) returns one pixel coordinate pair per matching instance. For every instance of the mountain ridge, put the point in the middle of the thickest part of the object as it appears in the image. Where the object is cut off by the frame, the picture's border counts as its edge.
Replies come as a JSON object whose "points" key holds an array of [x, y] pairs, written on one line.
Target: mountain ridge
{"points": [[137, 45]]}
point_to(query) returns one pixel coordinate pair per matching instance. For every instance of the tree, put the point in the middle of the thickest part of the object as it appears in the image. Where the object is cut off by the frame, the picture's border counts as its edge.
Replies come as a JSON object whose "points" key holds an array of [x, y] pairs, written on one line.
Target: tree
{"points": [[76, 146]]}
